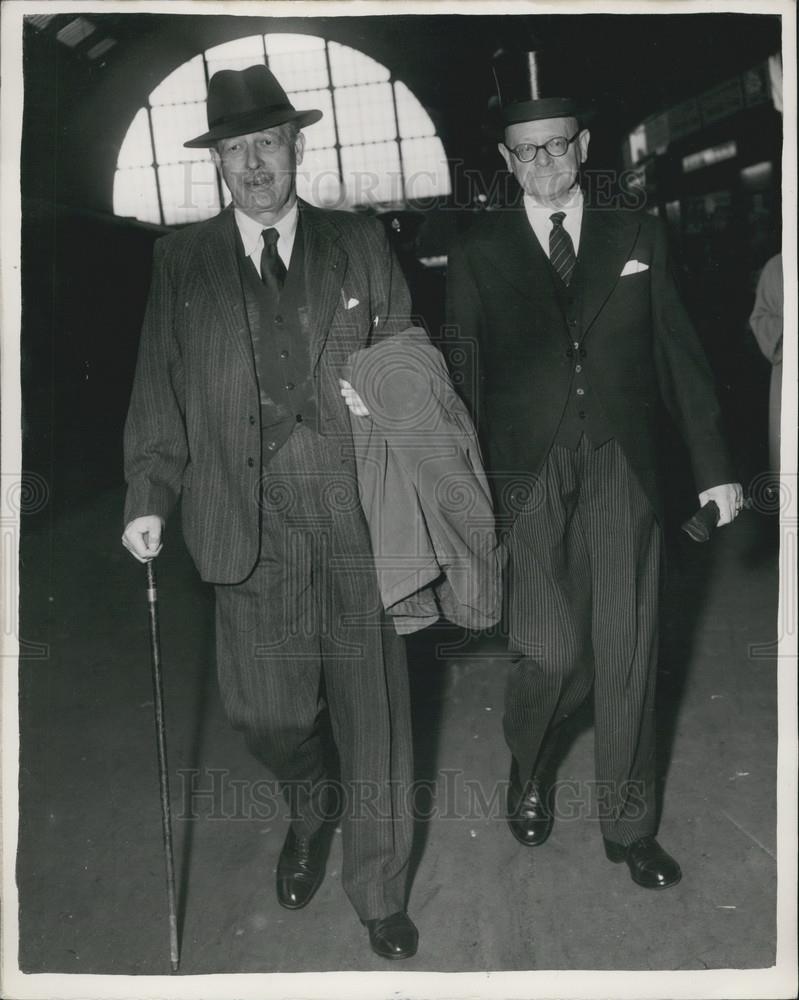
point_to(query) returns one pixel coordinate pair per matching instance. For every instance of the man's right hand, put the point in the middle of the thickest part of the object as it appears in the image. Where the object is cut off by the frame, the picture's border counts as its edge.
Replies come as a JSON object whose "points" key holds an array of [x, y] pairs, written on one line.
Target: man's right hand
{"points": [[142, 537]]}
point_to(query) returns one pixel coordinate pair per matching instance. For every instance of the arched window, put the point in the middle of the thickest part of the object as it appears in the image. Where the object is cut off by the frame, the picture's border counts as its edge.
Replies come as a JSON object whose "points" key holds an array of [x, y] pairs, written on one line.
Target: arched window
{"points": [[375, 146]]}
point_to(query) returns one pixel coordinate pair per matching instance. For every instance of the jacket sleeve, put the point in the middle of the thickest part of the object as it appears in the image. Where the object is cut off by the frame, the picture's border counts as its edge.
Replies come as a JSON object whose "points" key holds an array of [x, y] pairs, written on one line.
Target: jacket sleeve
{"points": [[684, 376], [766, 319], [155, 444], [464, 323]]}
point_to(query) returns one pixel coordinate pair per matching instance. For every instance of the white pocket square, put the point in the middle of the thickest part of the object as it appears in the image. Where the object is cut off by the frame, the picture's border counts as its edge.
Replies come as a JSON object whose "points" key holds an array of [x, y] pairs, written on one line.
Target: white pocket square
{"points": [[633, 267], [350, 303]]}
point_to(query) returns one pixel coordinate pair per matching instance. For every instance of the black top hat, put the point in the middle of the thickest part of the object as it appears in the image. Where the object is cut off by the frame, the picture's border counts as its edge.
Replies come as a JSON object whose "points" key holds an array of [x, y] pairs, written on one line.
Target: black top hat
{"points": [[519, 94], [244, 101]]}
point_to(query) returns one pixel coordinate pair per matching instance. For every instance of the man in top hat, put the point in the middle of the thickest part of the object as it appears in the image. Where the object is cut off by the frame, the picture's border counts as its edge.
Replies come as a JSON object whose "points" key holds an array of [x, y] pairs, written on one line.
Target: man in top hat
{"points": [[571, 315], [237, 409]]}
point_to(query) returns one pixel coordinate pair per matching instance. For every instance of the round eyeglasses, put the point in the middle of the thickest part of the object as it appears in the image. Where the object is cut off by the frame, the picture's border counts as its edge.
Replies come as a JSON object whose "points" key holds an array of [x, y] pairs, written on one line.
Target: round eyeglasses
{"points": [[526, 152]]}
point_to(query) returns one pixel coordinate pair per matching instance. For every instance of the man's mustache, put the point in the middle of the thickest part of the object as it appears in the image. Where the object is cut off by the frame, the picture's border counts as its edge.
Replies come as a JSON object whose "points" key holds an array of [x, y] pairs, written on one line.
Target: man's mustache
{"points": [[260, 176]]}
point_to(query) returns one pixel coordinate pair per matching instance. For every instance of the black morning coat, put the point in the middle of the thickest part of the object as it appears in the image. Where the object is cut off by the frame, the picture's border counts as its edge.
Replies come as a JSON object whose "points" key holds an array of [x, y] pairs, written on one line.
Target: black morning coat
{"points": [[640, 348]]}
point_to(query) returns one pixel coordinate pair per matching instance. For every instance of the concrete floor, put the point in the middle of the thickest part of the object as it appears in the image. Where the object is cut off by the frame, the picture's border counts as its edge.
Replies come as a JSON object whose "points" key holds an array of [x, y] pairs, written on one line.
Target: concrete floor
{"points": [[90, 865]]}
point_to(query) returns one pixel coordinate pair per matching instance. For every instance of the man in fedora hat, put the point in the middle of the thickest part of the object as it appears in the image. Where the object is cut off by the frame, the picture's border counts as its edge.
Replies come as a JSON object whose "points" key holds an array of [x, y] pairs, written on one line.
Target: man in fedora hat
{"points": [[237, 408], [577, 334]]}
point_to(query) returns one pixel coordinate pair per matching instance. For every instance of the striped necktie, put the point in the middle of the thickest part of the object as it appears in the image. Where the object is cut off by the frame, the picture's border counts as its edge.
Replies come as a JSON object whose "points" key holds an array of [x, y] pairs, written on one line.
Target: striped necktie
{"points": [[561, 249], [273, 270]]}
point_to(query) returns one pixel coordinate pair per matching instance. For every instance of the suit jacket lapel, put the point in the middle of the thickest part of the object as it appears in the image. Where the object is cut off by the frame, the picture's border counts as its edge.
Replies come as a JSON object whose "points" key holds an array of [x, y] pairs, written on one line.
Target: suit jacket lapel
{"points": [[325, 267], [606, 239], [516, 253], [219, 275]]}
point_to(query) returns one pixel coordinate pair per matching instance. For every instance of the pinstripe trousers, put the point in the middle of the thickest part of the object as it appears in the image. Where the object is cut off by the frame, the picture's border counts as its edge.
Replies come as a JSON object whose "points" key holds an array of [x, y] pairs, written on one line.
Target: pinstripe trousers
{"points": [[582, 610], [306, 631]]}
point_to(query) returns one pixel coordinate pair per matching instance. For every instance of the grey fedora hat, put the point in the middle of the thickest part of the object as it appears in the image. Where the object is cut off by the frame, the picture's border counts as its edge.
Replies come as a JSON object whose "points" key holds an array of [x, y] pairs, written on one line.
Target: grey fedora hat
{"points": [[244, 101]]}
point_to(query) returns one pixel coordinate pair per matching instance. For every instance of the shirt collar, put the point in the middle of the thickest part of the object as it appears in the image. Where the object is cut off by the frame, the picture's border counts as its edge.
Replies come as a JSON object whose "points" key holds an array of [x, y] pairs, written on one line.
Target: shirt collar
{"points": [[251, 230], [574, 203]]}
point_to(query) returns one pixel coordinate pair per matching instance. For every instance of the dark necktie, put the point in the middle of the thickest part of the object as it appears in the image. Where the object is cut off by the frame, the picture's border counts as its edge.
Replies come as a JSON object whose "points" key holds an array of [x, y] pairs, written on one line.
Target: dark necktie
{"points": [[273, 270], [561, 249]]}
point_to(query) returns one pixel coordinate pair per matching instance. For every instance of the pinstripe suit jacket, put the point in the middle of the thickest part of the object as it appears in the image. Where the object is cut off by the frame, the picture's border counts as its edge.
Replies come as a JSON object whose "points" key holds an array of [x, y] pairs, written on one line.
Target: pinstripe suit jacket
{"points": [[193, 426], [642, 350]]}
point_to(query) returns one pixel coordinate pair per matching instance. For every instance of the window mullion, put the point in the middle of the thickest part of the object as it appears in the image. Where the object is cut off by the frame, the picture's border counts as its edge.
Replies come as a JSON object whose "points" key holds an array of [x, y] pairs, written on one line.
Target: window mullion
{"points": [[219, 189], [399, 137], [331, 88], [155, 164]]}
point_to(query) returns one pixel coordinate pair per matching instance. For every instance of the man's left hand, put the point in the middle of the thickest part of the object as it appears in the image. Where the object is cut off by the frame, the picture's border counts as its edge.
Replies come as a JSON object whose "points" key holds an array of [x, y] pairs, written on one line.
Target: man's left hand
{"points": [[729, 498], [352, 399]]}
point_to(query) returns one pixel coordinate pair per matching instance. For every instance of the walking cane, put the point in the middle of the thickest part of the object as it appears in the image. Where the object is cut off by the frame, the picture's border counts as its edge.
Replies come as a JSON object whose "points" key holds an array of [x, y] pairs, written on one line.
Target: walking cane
{"points": [[163, 773]]}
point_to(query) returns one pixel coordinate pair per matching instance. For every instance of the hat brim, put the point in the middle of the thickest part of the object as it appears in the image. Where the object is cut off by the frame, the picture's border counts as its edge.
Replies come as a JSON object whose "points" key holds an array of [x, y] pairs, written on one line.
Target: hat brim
{"points": [[252, 121]]}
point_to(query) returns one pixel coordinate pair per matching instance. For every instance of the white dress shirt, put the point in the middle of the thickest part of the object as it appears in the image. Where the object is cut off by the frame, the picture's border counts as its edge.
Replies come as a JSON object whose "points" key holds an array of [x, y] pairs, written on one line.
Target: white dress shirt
{"points": [[538, 216], [252, 235]]}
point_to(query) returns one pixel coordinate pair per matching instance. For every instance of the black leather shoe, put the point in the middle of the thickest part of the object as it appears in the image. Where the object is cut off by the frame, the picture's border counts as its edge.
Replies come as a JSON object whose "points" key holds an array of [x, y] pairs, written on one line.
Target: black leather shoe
{"points": [[650, 866], [529, 814], [301, 867], [393, 937]]}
